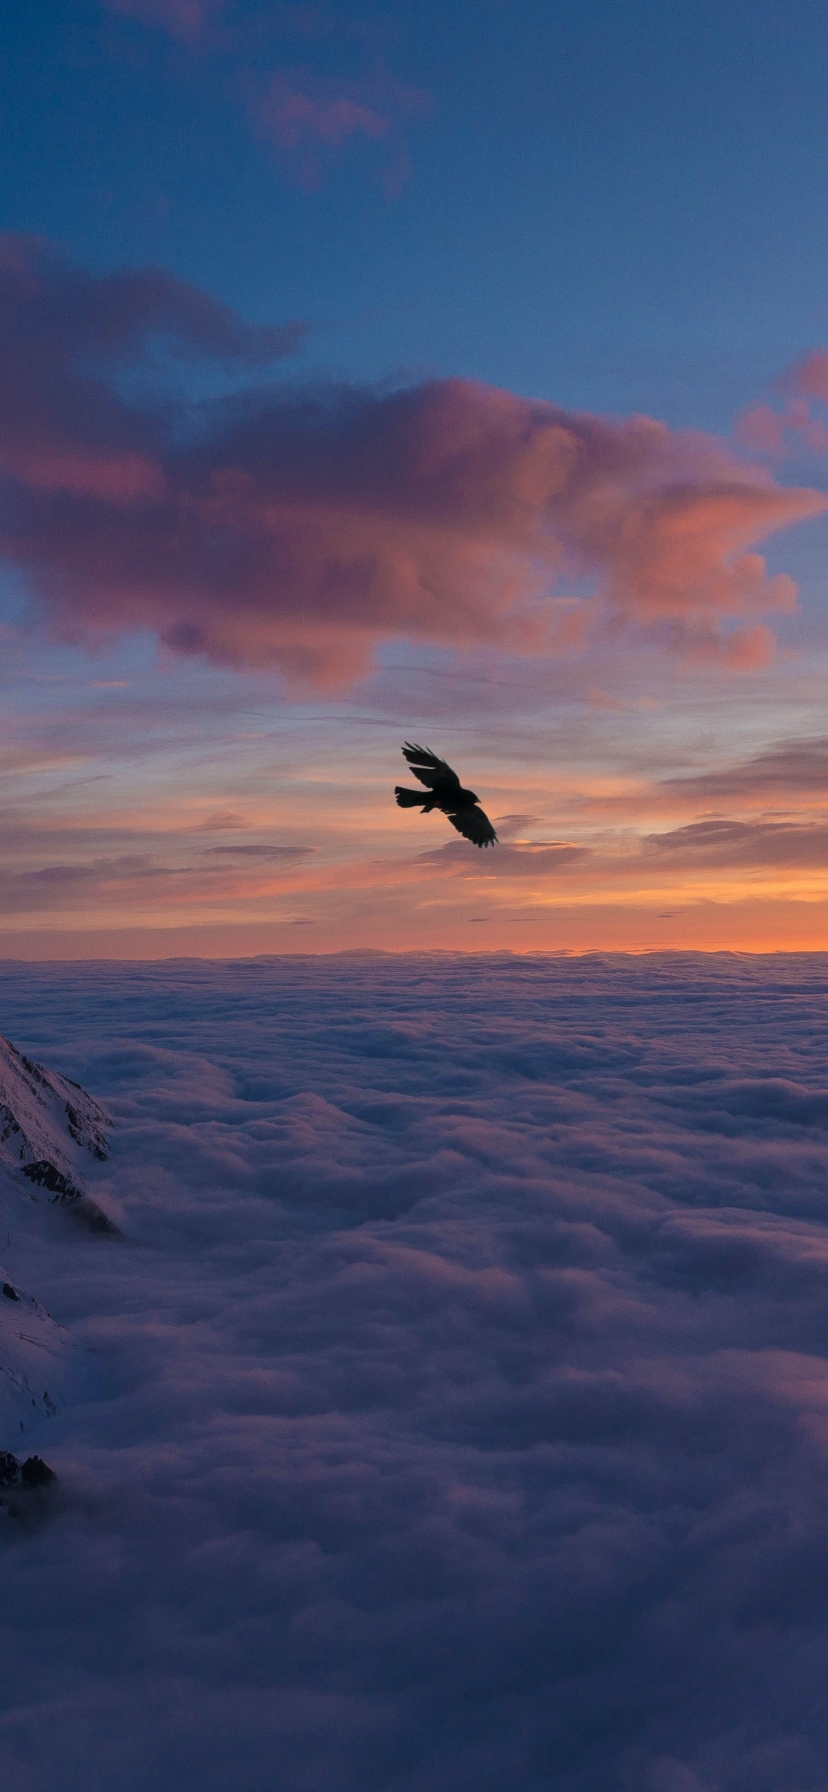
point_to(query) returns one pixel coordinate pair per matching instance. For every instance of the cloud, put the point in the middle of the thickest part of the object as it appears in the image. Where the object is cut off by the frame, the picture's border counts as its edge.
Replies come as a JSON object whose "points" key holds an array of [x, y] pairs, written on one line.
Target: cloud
{"points": [[789, 773], [220, 820], [231, 878], [715, 842], [309, 119], [308, 113], [792, 432], [540, 859], [510, 825], [296, 530], [77, 886], [462, 1420], [809, 376], [181, 18], [262, 851], [718, 841], [67, 338], [780, 434], [294, 118]]}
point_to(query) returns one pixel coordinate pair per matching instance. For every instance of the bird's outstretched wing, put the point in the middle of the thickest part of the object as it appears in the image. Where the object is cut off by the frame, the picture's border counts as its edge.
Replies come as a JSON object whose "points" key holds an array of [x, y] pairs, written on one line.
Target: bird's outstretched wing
{"points": [[475, 826], [428, 768]]}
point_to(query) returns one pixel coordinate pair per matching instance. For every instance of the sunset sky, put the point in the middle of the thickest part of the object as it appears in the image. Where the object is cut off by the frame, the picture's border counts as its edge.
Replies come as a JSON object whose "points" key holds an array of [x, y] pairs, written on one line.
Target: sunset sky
{"points": [[456, 374]]}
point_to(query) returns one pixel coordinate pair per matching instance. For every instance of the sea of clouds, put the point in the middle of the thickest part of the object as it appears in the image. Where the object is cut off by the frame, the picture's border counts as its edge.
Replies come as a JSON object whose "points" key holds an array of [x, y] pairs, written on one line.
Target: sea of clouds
{"points": [[455, 1415]]}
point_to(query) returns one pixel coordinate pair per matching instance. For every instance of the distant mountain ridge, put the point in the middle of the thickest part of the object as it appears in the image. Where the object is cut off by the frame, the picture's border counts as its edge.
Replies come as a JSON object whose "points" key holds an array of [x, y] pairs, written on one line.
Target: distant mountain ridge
{"points": [[47, 1125]]}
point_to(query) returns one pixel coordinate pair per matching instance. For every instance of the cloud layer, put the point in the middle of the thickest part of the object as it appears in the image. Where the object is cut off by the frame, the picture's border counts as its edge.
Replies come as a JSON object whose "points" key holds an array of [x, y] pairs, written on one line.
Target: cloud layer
{"points": [[461, 1420], [297, 530]]}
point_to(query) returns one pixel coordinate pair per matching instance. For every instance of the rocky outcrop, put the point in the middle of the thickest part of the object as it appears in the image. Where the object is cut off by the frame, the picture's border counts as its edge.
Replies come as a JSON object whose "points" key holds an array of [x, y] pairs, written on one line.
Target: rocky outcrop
{"points": [[22, 1486], [34, 1472]]}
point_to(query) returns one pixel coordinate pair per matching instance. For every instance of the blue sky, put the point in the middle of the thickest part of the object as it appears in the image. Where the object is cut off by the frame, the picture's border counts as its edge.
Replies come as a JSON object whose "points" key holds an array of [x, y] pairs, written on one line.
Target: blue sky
{"points": [[609, 205], [613, 209]]}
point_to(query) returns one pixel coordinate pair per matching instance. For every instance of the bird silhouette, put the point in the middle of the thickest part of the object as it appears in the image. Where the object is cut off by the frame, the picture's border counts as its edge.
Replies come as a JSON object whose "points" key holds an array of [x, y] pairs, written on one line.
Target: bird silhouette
{"points": [[445, 792]]}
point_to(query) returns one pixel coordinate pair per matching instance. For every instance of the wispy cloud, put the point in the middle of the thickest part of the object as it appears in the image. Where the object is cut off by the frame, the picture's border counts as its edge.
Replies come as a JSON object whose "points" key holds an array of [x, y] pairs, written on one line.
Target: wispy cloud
{"points": [[789, 774], [322, 843], [261, 851], [809, 376], [185, 19], [337, 96], [309, 119], [721, 841], [539, 859]]}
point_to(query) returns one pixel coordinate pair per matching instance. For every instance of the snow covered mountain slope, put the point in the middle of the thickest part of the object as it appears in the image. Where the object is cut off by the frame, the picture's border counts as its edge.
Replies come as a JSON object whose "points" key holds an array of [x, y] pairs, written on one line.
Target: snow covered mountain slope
{"points": [[41, 1365], [48, 1125]]}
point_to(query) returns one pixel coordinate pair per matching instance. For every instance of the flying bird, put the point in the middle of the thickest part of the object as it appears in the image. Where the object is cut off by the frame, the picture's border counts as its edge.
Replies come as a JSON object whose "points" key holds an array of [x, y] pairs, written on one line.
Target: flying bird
{"points": [[445, 792]]}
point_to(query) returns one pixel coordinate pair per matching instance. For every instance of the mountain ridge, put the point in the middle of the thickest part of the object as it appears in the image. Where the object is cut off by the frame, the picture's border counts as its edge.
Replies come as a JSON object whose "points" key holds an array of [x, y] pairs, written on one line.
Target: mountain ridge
{"points": [[49, 1128], [48, 1125]]}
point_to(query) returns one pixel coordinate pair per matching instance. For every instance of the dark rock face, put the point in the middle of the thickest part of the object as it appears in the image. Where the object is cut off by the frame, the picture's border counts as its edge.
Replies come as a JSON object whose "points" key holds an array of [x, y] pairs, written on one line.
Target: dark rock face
{"points": [[9, 1469], [44, 1174], [90, 1216], [10, 1292], [92, 1139], [34, 1472], [8, 1124]]}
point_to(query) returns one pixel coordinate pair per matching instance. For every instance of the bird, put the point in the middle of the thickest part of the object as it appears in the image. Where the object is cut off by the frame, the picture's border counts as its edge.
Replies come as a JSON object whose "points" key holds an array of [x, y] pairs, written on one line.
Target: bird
{"points": [[445, 792]]}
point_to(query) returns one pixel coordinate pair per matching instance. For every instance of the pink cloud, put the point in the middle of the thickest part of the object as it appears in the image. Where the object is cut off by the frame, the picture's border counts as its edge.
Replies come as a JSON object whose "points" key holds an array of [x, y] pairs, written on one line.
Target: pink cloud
{"points": [[64, 339], [793, 430], [181, 18], [307, 118], [294, 118], [297, 531], [307, 115], [779, 434], [810, 375]]}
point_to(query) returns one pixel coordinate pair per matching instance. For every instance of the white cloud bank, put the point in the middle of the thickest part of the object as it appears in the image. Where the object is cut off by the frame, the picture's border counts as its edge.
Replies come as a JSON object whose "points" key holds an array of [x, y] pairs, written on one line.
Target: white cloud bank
{"points": [[460, 1416]]}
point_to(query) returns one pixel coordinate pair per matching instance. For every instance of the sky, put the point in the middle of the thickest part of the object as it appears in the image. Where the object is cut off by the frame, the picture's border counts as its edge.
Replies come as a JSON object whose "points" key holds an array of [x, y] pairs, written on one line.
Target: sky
{"points": [[456, 374], [453, 1413]]}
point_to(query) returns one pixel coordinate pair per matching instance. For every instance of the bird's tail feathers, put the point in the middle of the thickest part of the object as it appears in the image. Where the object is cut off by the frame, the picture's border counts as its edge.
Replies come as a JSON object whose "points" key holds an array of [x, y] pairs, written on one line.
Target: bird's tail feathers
{"points": [[410, 799]]}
